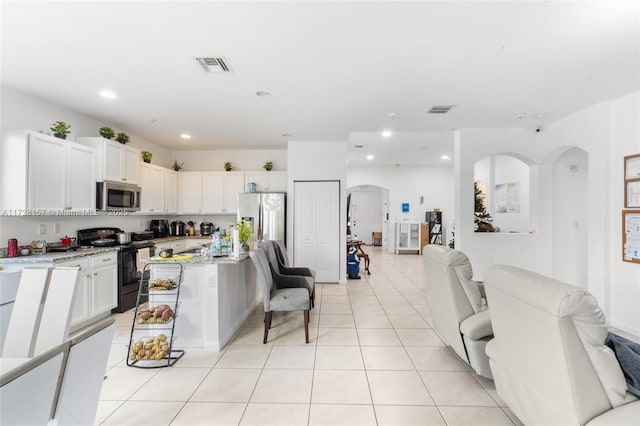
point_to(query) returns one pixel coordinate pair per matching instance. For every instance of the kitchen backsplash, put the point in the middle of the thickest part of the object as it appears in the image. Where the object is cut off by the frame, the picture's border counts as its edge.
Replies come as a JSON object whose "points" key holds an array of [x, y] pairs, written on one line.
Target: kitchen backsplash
{"points": [[27, 228]]}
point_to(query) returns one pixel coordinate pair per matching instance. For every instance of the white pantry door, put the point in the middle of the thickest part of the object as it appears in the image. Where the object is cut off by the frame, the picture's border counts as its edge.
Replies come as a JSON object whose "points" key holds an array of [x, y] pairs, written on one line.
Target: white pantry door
{"points": [[316, 228]]}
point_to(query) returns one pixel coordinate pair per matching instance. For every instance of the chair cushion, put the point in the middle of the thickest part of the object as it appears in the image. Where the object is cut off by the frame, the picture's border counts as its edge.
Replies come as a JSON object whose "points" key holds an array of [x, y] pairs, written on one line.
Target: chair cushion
{"points": [[627, 414], [477, 326], [289, 299]]}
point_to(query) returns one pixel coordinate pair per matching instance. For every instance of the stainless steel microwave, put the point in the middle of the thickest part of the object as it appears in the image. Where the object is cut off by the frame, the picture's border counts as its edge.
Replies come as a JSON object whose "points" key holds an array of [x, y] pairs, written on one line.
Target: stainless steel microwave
{"points": [[117, 196]]}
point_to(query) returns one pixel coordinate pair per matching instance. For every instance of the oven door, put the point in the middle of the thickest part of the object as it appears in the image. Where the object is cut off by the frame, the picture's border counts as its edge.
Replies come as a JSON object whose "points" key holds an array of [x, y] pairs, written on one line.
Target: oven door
{"points": [[129, 278]]}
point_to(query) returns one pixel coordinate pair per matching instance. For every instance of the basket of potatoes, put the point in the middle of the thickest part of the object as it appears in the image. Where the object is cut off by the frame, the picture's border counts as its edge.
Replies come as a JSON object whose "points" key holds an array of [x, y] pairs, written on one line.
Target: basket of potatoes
{"points": [[150, 349], [162, 284], [160, 314]]}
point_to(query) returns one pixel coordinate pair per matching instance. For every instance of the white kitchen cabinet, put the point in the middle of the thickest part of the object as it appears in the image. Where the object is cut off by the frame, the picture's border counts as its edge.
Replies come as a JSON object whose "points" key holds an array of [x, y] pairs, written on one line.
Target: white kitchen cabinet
{"points": [[81, 189], [190, 192], [407, 237], [170, 191], [46, 173], [81, 309], [159, 189], [268, 181], [213, 192], [233, 185], [104, 283], [152, 187], [209, 192], [114, 161]]}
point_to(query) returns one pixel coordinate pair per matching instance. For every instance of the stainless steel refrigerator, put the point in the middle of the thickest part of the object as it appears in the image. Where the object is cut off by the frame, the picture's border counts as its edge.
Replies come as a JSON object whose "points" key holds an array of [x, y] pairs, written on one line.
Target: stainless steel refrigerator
{"points": [[267, 212]]}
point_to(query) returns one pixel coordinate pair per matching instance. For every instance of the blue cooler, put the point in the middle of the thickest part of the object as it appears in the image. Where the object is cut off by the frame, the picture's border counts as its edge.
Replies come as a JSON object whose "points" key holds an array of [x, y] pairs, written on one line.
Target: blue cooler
{"points": [[353, 264]]}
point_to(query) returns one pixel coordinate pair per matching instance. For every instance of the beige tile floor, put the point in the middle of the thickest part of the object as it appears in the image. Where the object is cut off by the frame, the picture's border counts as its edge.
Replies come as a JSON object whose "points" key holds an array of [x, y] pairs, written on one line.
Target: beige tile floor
{"points": [[372, 359]]}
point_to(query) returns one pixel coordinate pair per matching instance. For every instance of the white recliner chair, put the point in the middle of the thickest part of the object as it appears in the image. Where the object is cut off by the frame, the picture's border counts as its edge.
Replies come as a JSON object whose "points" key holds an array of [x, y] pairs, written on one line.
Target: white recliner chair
{"points": [[458, 309], [548, 357]]}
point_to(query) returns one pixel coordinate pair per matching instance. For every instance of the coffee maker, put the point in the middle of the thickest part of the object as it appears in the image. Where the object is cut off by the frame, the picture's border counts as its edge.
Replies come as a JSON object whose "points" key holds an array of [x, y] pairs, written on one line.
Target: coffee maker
{"points": [[160, 228]]}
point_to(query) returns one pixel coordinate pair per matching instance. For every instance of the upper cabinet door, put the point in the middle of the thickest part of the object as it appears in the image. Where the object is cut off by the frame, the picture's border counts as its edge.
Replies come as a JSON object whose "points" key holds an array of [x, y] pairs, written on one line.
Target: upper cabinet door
{"points": [[234, 185], [112, 162], [259, 178], [277, 181], [190, 192], [47, 178], [213, 192], [130, 165], [170, 191], [81, 188]]}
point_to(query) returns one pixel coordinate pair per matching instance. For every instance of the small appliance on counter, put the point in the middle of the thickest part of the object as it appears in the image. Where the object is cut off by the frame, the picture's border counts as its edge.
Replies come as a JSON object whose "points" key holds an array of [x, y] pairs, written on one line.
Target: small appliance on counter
{"points": [[12, 247], [160, 228], [206, 228], [142, 236], [177, 228]]}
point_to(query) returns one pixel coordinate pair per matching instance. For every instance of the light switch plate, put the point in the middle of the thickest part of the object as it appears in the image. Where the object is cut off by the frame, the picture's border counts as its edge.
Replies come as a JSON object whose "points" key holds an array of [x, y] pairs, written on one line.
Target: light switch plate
{"points": [[42, 229]]}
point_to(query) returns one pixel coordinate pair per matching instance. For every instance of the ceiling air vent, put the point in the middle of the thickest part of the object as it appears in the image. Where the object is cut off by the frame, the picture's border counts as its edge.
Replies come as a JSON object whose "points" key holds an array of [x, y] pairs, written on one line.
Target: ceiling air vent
{"points": [[214, 64], [440, 109]]}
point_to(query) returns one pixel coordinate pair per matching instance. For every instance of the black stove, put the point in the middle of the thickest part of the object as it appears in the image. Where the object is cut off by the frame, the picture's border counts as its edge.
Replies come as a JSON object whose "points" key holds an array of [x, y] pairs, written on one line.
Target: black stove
{"points": [[128, 274]]}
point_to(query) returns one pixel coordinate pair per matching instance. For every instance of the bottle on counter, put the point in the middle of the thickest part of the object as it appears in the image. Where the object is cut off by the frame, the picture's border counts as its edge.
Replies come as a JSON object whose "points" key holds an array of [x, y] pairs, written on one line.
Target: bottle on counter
{"points": [[213, 250]]}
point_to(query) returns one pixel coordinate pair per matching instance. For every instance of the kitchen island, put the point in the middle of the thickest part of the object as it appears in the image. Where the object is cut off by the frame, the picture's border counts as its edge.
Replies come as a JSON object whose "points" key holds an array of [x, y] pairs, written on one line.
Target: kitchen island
{"points": [[216, 297]]}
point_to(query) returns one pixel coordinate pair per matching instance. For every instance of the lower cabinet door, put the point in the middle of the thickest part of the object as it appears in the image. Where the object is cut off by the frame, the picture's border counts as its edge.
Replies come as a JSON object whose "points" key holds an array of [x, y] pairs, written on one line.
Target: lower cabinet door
{"points": [[104, 289], [81, 310]]}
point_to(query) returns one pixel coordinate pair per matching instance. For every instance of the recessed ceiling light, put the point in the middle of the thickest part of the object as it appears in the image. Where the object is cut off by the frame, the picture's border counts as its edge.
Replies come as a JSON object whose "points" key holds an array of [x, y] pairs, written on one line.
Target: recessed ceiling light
{"points": [[286, 135], [393, 115], [445, 157], [263, 93], [370, 157], [386, 133], [185, 136], [521, 116], [108, 94], [541, 115]]}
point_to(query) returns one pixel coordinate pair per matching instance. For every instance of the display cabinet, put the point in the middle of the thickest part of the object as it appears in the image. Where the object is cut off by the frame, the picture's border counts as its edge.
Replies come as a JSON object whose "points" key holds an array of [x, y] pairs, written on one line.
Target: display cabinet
{"points": [[407, 238]]}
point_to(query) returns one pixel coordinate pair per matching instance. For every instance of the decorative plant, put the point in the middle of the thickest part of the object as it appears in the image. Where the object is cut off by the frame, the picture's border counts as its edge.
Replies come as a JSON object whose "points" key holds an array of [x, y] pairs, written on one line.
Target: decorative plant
{"points": [[177, 166], [146, 156], [60, 129], [482, 219], [122, 137], [268, 165], [228, 166], [107, 132], [245, 230]]}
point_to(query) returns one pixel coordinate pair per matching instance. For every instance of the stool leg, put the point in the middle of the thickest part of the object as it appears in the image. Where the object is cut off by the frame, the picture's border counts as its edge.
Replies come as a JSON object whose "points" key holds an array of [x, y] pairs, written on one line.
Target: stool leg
{"points": [[267, 326], [306, 326]]}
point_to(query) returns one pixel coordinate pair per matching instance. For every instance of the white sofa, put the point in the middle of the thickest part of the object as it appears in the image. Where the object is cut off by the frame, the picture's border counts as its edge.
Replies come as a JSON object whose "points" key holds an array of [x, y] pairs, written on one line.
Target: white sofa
{"points": [[548, 357], [456, 304]]}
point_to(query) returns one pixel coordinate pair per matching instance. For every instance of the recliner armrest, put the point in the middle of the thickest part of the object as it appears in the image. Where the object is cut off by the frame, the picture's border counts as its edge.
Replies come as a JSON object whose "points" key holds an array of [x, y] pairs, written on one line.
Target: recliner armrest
{"points": [[477, 326], [295, 270], [627, 414]]}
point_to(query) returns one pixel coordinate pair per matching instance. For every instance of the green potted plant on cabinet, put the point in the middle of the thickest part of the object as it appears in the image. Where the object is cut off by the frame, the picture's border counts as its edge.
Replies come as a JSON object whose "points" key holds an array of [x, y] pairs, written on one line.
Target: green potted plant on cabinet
{"points": [[147, 156], [228, 166], [268, 165], [60, 129], [107, 132], [177, 166], [122, 137]]}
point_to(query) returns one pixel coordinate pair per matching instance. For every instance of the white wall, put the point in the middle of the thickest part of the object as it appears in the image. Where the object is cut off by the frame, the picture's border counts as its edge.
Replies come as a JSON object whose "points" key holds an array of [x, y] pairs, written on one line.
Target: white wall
{"points": [[407, 185], [319, 161], [570, 194], [21, 110], [606, 132], [624, 284], [242, 159]]}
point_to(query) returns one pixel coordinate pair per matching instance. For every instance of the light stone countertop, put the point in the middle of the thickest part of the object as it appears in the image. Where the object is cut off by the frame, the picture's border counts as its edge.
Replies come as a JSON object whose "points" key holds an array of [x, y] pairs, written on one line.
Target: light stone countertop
{"points": [[203, 260], [54, 257]]}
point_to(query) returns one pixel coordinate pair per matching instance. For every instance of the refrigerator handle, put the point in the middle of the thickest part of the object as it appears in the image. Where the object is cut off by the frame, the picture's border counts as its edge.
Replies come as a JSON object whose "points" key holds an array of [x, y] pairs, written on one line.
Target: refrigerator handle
{"points": [[259, 231]]}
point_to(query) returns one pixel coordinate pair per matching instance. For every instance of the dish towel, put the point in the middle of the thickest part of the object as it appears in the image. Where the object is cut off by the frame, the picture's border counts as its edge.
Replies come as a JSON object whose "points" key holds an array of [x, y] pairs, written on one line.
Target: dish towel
{"points": [[143, 254]]}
